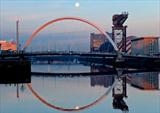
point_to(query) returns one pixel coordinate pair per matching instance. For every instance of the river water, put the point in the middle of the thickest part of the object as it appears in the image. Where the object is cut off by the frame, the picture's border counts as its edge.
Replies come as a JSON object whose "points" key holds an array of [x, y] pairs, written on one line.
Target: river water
{"points": [[85, 94]]}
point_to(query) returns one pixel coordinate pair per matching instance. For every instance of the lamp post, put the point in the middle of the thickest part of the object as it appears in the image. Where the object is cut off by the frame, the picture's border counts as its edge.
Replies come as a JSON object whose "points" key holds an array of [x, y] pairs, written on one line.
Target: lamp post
{"points": [[17, 35]]}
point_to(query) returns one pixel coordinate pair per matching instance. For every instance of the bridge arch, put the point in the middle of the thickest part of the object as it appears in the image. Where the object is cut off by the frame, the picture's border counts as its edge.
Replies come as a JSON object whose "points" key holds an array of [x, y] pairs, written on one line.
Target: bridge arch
{"points": [[68, 18]]}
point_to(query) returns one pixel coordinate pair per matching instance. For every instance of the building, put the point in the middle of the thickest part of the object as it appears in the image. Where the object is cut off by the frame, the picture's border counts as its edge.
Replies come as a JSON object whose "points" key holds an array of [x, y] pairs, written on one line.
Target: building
{"points": [[119, 31], [96, 40], [101, 44], [145, 46], [128, 44], [106, 47], [7, 45]]}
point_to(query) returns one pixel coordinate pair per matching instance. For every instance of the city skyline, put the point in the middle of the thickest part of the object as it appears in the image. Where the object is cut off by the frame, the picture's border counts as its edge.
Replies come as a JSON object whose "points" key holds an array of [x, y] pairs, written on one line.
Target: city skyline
{"points": [[143, 20], [83, 56]]}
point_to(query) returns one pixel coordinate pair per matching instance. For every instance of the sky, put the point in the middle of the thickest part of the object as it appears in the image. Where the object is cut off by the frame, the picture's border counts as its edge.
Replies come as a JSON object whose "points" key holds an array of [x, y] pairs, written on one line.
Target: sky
{"points": [[143, 19]]}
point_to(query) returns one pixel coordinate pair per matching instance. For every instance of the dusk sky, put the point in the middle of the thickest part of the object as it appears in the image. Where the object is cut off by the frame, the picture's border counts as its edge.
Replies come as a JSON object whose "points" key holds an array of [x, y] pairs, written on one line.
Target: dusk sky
{"points": [[143, 20]]}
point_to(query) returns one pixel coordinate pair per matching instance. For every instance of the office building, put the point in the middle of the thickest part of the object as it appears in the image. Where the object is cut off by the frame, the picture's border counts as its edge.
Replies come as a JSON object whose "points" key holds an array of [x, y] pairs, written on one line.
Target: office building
{"points": [[145, 46], [96, 40], [7, 45]]}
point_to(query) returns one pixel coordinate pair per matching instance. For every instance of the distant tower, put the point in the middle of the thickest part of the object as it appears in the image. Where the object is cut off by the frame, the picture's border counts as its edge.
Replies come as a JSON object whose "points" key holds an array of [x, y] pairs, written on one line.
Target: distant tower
{"points": [[119, 31], [17, 34]]}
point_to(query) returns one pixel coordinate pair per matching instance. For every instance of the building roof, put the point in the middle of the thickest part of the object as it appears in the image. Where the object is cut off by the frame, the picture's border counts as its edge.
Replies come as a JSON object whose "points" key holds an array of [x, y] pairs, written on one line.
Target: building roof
{"points": [[142, 38], [7, 45]]}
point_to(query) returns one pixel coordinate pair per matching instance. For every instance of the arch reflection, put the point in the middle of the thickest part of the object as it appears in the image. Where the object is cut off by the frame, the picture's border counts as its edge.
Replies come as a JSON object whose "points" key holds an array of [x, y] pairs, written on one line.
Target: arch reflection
{"points": [[77, 108], [117, 84]]}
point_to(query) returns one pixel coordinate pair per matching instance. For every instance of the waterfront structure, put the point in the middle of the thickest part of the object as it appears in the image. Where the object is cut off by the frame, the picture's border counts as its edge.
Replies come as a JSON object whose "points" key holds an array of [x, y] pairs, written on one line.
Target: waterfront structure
{"points": [[96, 40], [98, 43], [119, 31], [145, 46], [7, 45]]}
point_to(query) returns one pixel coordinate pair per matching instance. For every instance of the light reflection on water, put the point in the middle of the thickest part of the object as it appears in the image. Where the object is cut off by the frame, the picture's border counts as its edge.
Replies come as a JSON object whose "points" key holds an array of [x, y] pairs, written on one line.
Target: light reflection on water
{"points": [[56, 68], [71, 92]]}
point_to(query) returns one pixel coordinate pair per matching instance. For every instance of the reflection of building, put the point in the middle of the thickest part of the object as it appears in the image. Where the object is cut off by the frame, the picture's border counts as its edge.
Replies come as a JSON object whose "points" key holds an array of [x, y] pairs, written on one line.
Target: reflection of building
{"points": [[96, 40], [100, 68], [105, 81], [145, 46], [119, 92], [119, 103], [159, 80], [6, 45], [147, 80]]}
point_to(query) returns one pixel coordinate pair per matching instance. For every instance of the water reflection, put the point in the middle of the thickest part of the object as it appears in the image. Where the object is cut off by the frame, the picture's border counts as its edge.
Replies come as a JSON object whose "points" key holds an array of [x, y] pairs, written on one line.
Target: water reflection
{"points": [[75, 93], [146, 81], [104, 81], [76, 108], [119, 90]]}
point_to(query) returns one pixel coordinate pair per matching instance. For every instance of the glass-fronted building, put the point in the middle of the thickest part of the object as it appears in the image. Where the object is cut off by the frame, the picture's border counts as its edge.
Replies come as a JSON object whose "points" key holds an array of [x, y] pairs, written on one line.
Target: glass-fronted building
{"points": [[96, 40], [145, 46]]}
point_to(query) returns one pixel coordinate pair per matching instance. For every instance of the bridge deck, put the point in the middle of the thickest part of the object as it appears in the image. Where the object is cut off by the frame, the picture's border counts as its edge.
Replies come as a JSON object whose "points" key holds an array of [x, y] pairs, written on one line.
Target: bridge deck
{"points": [[125, 61]]}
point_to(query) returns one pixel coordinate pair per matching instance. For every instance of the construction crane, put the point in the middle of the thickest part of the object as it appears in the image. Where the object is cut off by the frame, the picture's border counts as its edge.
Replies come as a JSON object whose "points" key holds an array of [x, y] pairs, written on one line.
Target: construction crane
{"points": [[119, 19]]}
